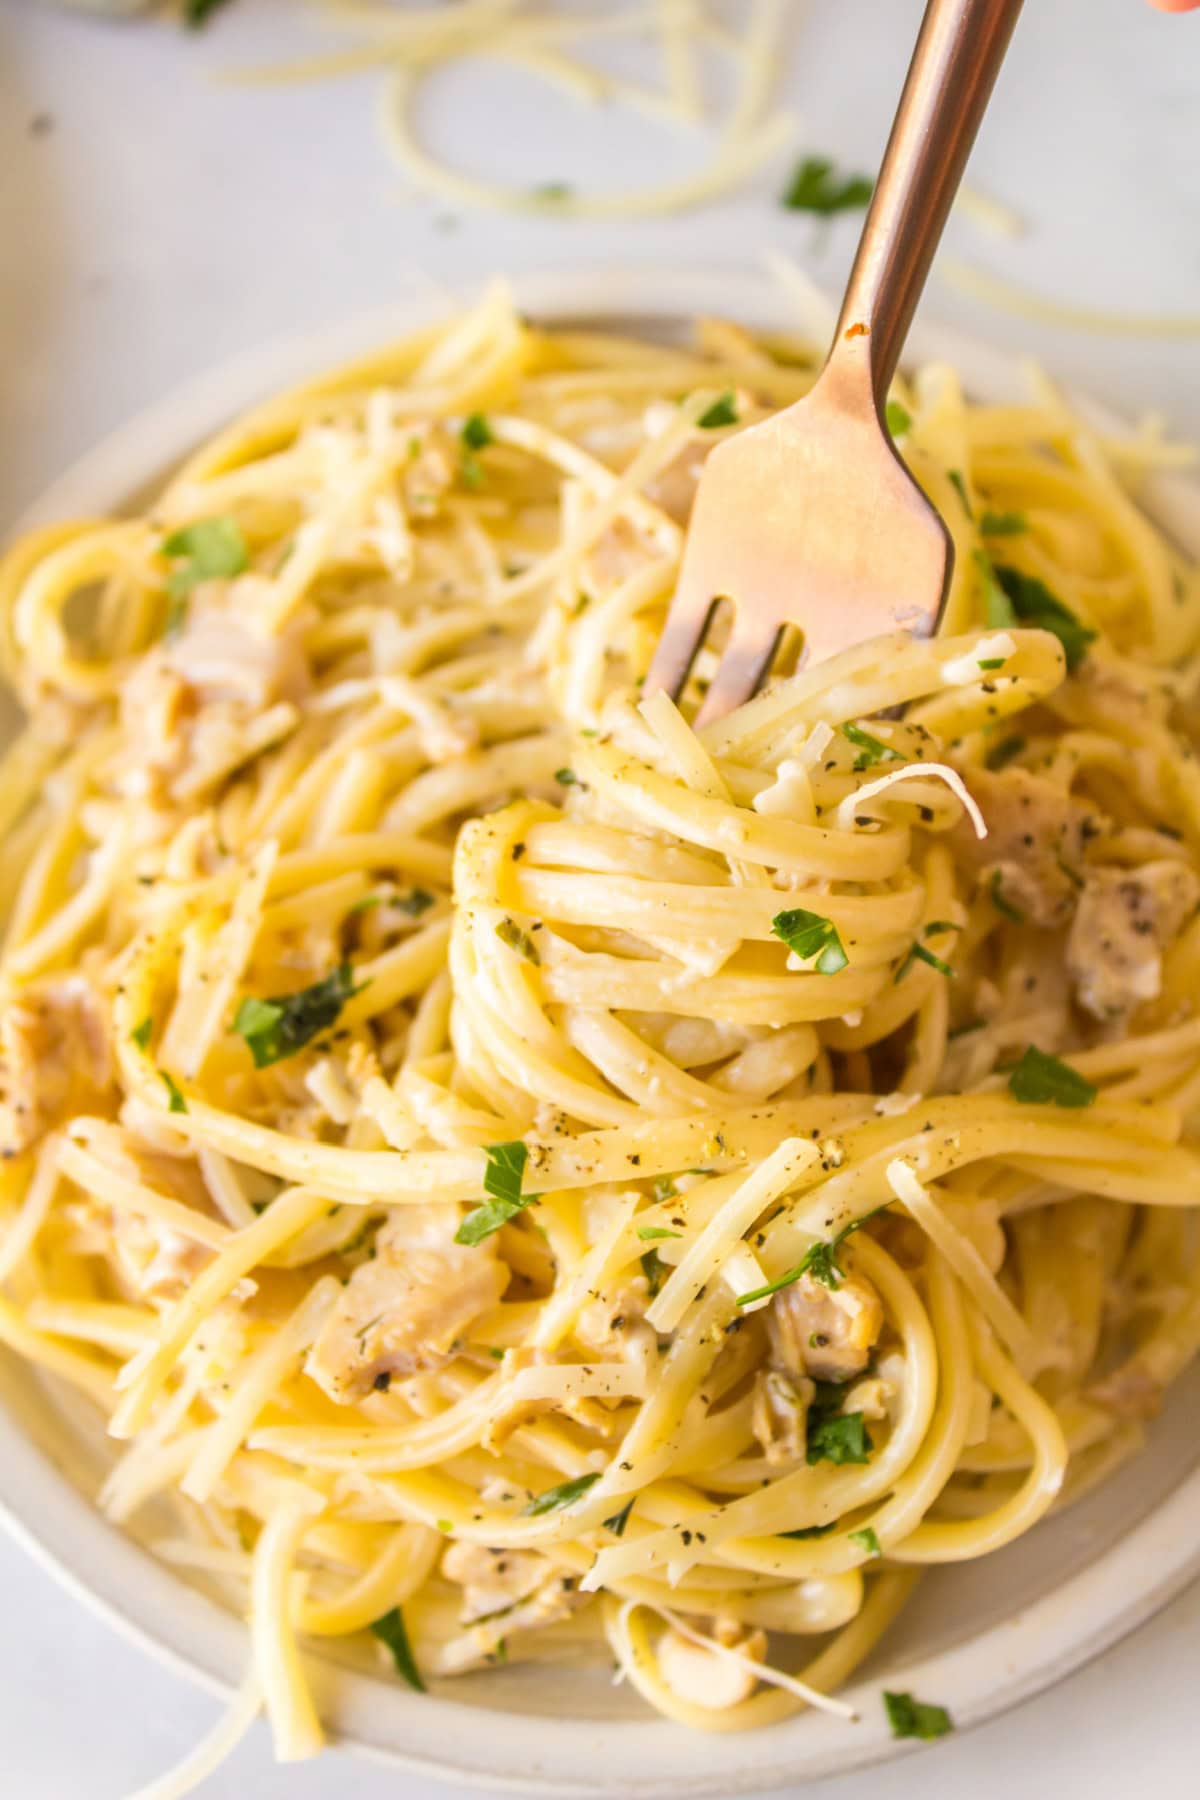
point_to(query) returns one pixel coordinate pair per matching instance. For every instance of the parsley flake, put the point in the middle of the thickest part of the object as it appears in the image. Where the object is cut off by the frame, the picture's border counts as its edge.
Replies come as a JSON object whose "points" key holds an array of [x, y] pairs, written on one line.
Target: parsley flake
{"points": [[141, 1034], [871, 750], [565, 1494], [918, 953], [175, 1100], [503, 1175], [808, 935], [810, 1531], [820, 1261], [391, 1630], [476, 433], [566, 778], [866, 1540], [654, 1269], [898, 419], [414, 903], [1003, 524], [1042, 1080], [815, 187], [656, 1231], [723, 411], [1002, 903], [1032, 603], [619, 1520], [960, 487], [1003, 753], [207, 550], [998, 611], [510, 933], [911, 1718], [839, 1438], [281, 1024]]}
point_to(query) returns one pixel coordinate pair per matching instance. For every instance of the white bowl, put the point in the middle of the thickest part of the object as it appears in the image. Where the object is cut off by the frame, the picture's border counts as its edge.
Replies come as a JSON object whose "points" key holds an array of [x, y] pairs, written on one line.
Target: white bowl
{"points": [[977, 1638]]}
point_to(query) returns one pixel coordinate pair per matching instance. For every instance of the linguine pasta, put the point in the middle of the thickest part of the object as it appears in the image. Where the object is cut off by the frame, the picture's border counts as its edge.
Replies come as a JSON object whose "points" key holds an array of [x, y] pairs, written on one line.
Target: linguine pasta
{"points": [[526, 1179]]}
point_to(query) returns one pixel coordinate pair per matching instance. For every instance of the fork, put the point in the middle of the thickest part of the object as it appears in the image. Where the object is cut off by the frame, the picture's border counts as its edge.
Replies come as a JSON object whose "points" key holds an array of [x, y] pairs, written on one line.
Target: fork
{"points": [[810, 519]]}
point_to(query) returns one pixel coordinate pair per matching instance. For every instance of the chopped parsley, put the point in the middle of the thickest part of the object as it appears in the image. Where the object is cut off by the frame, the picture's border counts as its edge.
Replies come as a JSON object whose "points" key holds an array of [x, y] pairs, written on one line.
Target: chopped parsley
{"points": [[510, 933], [866, 1540], [208, 550], [807, 934], [918, 953], [197, 12], [391, 1630], [565, 1494], [141, 1034], [1002, 524], [871, 750], [723, 411], [619, 1520], [898, 419], [476, 433], [911, 1718], [175, 1100], [1002, 903], [415, 902], [810, 1531], [281, 1024], [936, 927], [1042, 1080], [992, 662], [998, 611], [502, 1178], [367, 904], [816, 187], [1032, 603], [820, 1261], [566, 777], [838, 1438], [645, 1232], [654, 1269], [960, 488], [1003, 753]]}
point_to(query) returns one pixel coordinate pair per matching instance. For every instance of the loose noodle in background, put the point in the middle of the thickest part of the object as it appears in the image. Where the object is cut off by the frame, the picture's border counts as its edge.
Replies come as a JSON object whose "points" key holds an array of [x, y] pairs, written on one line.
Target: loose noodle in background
{"points": [[407, 737]]}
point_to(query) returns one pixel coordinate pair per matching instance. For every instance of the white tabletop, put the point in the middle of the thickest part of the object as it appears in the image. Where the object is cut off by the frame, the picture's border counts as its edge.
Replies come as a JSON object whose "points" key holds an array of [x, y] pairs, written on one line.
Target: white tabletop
{"points": [[153, 222]]}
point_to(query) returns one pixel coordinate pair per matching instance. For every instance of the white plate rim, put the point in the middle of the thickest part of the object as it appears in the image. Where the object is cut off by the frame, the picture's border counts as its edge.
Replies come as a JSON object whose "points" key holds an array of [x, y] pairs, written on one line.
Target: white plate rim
{"points": [[523, 1753]]}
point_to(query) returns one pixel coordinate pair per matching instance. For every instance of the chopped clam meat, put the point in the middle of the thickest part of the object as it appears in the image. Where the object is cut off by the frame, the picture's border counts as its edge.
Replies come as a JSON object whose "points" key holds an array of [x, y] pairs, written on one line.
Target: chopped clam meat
{"points": [[1124, 921], [827, 1333]]}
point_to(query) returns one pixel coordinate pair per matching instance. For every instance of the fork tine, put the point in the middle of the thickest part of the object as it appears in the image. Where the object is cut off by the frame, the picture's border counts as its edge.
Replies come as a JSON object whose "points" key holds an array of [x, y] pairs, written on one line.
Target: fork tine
{"points": [[746, 659], [682, 636]]}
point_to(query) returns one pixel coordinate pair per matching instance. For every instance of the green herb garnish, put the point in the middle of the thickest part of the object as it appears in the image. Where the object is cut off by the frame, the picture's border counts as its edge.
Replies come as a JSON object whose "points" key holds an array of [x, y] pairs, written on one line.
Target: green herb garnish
{"points": [[992, 662], [207, 550], [1002, 524], [510, 933], [502, 1177], [654, 1269], [476, 433], [566, 777], [175, 1100], [810, 1531], [816, 188], [619, 1520], [141, 1034], [911, 1718], [898, 419], [414, 903], [391, 1630], [1042, 1080], [1002, 903], [960, 488], [281, 1024], [839, 1438], [807, 934], [656, 1231], [820, 1261], [723, 411], [918, 953], [998, 610], [197, 12], [565, 1494], [1004, 752], [870, 749], [1033, 604], [866, 1540]]}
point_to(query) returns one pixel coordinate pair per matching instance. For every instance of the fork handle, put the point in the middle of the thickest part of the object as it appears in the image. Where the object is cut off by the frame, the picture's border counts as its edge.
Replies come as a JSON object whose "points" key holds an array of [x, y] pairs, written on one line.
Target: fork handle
{"points": [[954, 67]]}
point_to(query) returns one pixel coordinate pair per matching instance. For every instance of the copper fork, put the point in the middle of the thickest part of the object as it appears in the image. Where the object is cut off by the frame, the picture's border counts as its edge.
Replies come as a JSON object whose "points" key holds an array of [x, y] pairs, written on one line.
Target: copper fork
{"points": [[810, 519]]}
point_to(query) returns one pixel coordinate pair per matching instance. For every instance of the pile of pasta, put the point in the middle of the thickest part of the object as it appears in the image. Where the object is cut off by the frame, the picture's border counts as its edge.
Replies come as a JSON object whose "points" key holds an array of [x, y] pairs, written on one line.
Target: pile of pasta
{"points": [[527, 1179]]}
